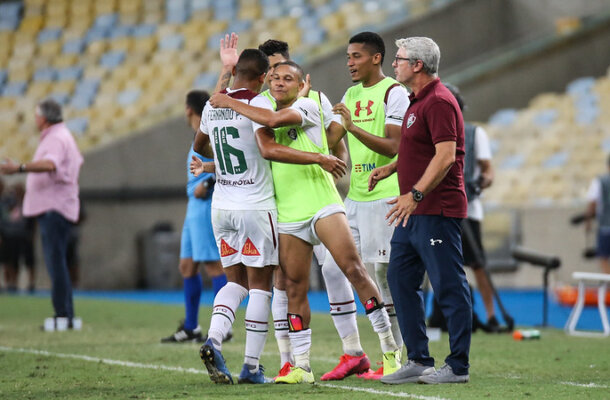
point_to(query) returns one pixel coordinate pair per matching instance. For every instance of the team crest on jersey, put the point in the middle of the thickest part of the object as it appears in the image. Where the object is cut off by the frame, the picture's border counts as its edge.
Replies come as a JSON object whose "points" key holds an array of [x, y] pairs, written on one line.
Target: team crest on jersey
{"points": [[249, 249], [411, 120], [225, 249], [292, 134]]}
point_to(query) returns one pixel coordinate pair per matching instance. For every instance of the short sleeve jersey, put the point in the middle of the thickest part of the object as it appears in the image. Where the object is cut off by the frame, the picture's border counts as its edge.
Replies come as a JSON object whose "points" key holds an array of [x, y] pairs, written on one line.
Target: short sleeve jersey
{"points": [[372, 108], [243, 176], [433, 117], [303, 190]]}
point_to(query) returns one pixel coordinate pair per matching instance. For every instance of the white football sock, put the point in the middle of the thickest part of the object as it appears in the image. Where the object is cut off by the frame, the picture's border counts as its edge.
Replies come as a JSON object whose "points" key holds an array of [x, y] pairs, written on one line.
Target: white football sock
{"points": [[301, 344], [381, 276], [342, 306], [223, 314], [279, 308], [257, 325]]}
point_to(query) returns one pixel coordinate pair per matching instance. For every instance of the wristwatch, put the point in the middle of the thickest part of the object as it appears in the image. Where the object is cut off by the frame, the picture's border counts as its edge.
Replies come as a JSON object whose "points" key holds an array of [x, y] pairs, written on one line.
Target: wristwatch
{"points": [[417, 195]]}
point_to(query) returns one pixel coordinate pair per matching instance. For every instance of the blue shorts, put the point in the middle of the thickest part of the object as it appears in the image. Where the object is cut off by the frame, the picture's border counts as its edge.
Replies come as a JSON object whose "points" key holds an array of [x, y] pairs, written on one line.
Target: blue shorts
{"points": [[603, 242], [198, 240]]}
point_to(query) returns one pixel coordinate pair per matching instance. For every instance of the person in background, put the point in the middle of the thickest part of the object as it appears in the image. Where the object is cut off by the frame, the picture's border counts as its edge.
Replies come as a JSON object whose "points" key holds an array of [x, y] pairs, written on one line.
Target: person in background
{"points": [[197, 244], [52, 196], [599, 205], [478, 176], [18, 234]]}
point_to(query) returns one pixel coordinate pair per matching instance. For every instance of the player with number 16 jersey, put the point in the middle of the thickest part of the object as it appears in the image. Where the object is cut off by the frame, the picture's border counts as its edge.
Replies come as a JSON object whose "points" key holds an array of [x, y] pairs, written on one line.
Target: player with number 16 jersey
{"points": [[244, 176]]}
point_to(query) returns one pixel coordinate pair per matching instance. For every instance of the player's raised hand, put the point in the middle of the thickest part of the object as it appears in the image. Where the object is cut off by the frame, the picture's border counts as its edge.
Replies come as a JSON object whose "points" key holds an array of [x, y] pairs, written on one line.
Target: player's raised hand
{"points": [[346, 116], [332, 164], [220, 100], [306, 88], [228, 50]]}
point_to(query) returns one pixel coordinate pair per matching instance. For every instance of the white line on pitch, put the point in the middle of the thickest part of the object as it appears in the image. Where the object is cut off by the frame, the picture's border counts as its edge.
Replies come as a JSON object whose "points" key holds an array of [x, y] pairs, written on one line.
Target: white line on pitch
{"points": [[585, 385], [383, 392], [196, 371], [103, 360]]}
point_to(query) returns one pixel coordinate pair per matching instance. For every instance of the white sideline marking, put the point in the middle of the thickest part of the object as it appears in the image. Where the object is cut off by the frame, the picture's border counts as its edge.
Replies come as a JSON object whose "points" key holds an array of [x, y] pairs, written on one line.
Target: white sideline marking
{"points": [[103, 360], [197, 371], [585, 385], [382, 392]]}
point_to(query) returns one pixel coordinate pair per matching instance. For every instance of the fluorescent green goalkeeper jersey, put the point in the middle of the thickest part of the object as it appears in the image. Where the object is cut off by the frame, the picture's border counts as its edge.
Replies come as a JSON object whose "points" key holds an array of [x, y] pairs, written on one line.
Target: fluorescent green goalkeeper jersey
{"points": [[368, 110], [303, 190]]}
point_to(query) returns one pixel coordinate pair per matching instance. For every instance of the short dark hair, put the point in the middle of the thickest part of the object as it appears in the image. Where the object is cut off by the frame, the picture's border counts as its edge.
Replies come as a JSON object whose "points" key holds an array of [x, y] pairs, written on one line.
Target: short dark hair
{"points": [[272, 46], [293, 65], [372, 41], [251, 64], [51, 111], [455, 91], [196, 99]]}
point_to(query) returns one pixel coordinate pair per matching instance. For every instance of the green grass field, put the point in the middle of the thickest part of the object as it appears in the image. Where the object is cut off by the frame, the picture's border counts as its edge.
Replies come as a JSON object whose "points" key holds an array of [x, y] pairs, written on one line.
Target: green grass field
{"points": [[117, 355]]}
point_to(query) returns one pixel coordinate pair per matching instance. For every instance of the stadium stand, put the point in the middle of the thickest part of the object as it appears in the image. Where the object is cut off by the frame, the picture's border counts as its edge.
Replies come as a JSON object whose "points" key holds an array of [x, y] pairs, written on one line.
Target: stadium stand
{"points": [[120, 66], [547, 153]]}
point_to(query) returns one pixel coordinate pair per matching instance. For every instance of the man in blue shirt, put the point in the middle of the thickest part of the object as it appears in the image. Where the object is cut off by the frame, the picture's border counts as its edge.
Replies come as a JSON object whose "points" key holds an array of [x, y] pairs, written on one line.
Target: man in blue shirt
{"points": [[197, 244]]}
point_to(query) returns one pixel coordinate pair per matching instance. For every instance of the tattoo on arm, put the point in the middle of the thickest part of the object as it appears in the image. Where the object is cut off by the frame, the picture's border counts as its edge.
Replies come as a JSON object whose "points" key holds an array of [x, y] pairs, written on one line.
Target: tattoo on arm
{"points": [[223, 82]]}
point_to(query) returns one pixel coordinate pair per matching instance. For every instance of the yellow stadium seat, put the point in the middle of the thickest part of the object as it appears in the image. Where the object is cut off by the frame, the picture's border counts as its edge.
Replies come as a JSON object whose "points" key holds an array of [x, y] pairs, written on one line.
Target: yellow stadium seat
{"points": [[129, 18], [144, 45], [129, 7], [252, 11], [123, 43], [101, 7], [97, 48], [25, 51], [65, 60], [38, 90], [33, 11], [95, 72], [20, 74], [63, 87], [153, 17], [50, 48], [31, 24]]}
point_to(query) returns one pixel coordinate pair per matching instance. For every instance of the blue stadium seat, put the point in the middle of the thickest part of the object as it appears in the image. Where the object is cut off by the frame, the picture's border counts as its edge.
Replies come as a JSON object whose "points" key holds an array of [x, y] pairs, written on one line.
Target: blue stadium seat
{"points": [[206, 80], [144, 30], [45, 74], [128, 97], [214, 41], [172, 42], [96, 33], [70, 73], [514, 161], [106, 21], [3, 76], [545, 118], [10, 15], [556, 160], [198, 5], [239, 26], [47, 35], [14, 89], [121, 31], [74, 46], [505, 117], [112, 59], [580, 86], [314, 37], [78, 126], [61, 98]]}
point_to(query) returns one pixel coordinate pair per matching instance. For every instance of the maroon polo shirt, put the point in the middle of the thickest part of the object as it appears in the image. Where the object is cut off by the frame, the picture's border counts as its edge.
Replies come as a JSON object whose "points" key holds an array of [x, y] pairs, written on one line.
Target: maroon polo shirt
{"points": [[433, 117]]}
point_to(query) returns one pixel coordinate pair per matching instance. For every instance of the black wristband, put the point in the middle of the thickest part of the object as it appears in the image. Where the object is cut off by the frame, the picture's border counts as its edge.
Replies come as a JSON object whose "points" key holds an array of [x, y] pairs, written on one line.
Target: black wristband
{"points": [[22, 168]]}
